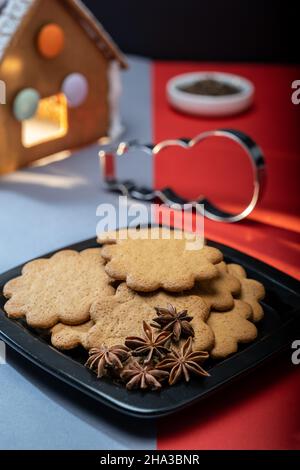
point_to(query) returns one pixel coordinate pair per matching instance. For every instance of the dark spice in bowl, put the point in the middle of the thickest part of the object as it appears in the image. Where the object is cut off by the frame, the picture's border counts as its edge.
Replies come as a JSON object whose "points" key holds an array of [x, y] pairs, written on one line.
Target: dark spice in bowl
{"points": [[210, 87]]}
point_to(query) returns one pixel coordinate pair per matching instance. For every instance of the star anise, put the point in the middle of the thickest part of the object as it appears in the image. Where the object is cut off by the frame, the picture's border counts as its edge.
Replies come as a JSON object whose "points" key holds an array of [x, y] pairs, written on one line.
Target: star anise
{"points": [[150, 345], [168, 319], [142, 376], [183, 362], [104, 358]]}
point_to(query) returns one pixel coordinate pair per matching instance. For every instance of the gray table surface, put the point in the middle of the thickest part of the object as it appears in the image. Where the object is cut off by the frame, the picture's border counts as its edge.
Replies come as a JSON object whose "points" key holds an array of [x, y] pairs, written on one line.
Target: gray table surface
{"points": [[46, 208]]}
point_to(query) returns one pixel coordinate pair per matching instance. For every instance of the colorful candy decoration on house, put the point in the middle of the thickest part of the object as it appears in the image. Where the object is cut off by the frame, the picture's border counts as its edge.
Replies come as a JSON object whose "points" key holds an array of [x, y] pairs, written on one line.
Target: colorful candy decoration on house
{"points": [[51, 40], [26, 104], [75, 87], [58, 65]]}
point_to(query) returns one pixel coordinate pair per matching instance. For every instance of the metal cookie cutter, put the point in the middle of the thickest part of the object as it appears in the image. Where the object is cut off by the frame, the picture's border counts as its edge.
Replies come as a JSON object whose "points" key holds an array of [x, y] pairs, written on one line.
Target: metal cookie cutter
{"points": [[108, 153]]}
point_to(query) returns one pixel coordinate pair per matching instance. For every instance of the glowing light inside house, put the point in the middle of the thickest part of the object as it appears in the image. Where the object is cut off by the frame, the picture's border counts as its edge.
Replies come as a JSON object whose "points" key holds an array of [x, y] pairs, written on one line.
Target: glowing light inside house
{"points": [[49, 123]]}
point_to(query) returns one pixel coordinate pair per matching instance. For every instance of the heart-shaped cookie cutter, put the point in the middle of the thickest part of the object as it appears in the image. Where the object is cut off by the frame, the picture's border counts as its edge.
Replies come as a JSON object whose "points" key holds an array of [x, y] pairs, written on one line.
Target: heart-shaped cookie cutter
{"points": [[109, 152]]}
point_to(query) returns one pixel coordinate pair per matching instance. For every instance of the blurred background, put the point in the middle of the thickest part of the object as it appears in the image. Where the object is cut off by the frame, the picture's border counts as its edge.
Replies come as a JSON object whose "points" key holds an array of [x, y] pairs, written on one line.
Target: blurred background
{"points": [[231, 30]]}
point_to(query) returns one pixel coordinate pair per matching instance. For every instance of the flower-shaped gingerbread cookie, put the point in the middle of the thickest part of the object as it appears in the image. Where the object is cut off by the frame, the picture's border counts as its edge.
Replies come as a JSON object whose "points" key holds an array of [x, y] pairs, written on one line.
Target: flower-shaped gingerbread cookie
{"points": [[69, 337], [252, 291], [218, 292], [231, 328], [147, 264], [58, 289], [122, 315]]}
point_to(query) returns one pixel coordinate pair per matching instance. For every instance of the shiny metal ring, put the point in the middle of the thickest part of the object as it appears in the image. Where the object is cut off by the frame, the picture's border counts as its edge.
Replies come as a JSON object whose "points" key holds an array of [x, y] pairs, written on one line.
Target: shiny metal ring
{"points": [[108, 153]]}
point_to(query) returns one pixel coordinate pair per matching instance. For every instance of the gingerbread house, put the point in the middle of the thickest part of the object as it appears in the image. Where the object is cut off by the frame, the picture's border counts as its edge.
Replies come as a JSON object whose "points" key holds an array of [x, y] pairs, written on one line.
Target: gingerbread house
{"points": [[59, 71]]}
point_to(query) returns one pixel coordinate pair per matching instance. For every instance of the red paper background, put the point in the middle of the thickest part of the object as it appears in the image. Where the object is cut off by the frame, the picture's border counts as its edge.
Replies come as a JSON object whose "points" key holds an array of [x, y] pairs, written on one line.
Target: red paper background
{"points": [[272, 232], [261, 411]]}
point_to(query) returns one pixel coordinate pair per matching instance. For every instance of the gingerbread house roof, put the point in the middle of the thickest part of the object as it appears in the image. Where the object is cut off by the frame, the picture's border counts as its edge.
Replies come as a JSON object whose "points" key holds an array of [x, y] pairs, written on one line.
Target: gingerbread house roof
{"points": [[12, 13]]}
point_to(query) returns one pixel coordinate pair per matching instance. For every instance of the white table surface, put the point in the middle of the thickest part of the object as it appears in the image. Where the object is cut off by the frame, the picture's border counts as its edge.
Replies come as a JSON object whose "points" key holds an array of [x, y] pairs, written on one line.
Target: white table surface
{"points": [[43, 209]]}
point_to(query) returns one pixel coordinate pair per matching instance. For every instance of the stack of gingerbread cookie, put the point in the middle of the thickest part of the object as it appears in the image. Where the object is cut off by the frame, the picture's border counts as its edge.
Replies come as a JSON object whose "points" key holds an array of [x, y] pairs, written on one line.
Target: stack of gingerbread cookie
{"points": [[136, 288]]}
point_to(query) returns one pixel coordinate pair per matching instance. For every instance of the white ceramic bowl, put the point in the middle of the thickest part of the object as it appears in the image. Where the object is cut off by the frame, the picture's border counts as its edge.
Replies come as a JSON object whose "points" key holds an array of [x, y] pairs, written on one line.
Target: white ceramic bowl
{"points": [[204, 105]]}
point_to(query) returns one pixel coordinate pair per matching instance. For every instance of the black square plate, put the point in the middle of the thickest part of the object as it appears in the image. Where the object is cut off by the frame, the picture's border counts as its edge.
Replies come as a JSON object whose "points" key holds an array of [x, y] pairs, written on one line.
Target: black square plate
{"points": [[280, 326]]}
